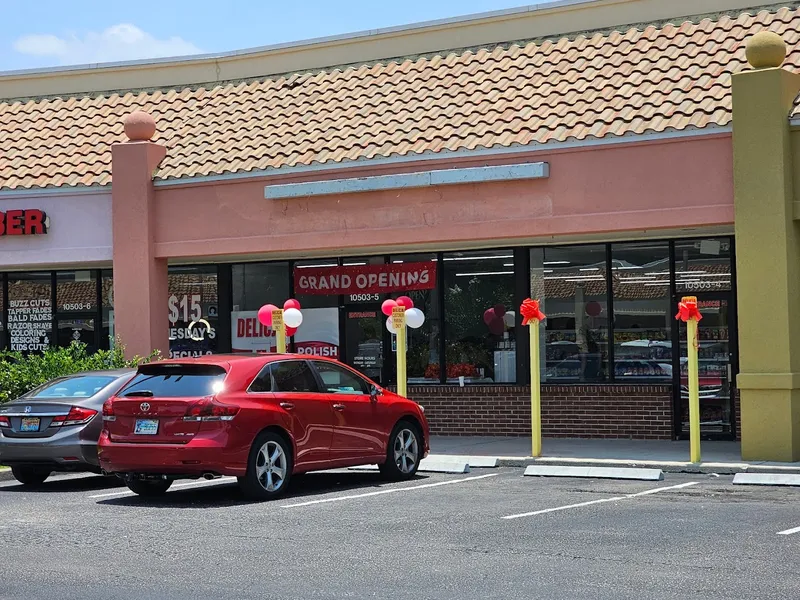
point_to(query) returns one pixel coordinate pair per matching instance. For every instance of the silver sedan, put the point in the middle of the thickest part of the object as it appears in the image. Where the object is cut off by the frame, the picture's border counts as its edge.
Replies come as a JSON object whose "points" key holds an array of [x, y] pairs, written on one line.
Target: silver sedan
{"points": [[55, 427]]}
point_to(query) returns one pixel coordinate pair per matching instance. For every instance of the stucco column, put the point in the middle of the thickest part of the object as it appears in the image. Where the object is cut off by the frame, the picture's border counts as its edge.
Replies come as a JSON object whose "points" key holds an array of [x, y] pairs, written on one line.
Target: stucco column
{"points": [[767, 254], [140, 279]]}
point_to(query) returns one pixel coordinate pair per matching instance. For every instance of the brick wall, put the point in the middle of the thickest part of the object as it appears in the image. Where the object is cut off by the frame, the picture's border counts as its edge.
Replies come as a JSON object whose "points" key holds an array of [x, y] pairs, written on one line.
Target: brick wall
{"points": [[590, 411]]}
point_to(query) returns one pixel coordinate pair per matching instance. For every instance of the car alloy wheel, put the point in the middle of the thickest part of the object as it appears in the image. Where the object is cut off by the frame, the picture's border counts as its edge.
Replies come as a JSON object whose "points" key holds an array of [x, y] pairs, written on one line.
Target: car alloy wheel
{"points": [[271, 466], [406, 451]]}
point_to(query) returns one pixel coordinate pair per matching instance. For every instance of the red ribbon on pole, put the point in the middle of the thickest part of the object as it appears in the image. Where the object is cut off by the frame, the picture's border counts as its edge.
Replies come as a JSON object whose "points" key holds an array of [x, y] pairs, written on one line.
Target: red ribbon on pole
{"points": [[687, 309], [530, 311]]}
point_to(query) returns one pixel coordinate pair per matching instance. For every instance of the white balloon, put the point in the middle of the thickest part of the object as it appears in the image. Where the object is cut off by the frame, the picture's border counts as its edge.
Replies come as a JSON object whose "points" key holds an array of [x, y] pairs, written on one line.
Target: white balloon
{"points": [[389, 326], [414, 318], [509, 318], [292, 317]]}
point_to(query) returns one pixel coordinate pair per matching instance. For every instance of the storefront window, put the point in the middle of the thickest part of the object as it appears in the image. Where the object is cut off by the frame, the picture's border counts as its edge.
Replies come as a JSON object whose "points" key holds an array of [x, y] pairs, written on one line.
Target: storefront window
{"points": [[702, 266], [571, 284], [642, 316], [107, 337], [423, 359], [479, 316], [76, 307], [319, 333], [363, 321], [254, 285], [193, 306], [30, 312]]}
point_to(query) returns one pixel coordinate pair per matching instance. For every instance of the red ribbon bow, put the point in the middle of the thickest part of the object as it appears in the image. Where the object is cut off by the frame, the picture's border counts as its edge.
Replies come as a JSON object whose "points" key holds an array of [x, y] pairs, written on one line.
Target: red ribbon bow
{"points": [[530, 310], [687, 310]]}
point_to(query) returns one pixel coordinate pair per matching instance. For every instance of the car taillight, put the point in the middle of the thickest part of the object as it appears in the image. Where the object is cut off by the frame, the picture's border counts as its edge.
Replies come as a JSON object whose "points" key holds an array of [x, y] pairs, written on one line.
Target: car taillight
{"points": [[210, 410], [108, 411], [4, 422], [76, 416]]}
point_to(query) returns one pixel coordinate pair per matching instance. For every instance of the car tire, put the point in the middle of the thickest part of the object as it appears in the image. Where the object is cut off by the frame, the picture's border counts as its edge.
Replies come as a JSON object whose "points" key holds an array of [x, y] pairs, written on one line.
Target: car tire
{"points": [[269, 467], [149, 489], [30, 475], [403, 452]]}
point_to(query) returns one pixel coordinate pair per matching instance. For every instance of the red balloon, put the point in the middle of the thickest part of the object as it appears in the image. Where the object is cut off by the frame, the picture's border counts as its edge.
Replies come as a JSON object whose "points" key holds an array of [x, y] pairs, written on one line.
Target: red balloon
{"points": [[405, 302], [291, 303], [496, 327], [489, 316], [265, 314], [290, 331], [593, 308], [499, 310], [387, 306]]}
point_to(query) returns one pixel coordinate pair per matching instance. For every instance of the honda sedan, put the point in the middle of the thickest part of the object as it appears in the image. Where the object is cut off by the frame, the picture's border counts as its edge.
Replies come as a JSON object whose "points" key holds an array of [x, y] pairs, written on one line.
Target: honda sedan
{"points": [[260, 418], [55, 427]]}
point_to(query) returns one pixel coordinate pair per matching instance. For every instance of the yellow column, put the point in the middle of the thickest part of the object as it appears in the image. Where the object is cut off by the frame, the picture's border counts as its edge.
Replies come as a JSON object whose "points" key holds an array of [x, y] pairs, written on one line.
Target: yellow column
{"points": [[536, 391], [399, 325], [694, 391], [279, 327], [767, 252]]}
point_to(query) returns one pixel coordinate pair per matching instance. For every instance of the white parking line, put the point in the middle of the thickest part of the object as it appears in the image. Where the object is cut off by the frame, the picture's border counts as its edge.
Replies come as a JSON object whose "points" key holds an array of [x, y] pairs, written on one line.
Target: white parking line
{"points": [[790, 531], [203, 482], [389, 491], [613, 499]]}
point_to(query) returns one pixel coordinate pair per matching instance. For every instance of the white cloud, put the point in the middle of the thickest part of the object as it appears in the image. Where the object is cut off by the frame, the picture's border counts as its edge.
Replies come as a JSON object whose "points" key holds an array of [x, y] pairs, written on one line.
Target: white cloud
{"points": [[120, 42]]}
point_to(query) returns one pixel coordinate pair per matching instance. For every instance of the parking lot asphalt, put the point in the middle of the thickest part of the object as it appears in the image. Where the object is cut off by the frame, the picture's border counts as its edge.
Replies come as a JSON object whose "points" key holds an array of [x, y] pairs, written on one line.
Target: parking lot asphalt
{"points": [[490, 533]]}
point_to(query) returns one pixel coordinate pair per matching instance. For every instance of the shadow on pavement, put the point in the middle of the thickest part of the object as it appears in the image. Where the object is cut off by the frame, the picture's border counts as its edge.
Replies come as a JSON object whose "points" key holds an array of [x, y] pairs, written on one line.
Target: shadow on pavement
{"points": [[305, 486], [78, 483]]}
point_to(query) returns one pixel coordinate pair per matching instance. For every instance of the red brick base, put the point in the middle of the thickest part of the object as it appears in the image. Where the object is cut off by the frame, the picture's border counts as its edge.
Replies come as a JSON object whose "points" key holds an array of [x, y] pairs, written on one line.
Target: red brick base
{"points": [[596, 411]]}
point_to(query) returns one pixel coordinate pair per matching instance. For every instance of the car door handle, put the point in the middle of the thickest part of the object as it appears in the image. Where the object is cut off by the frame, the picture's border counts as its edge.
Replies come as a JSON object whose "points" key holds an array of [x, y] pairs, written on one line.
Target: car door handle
{"points": [[338, 407], [287, 405]]}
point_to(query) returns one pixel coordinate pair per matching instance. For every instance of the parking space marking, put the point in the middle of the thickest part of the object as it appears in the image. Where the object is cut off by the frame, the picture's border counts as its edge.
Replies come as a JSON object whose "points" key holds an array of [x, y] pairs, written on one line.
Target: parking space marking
{"points": [[601, 500], [389, 491], [179, 485], [790, 531]]}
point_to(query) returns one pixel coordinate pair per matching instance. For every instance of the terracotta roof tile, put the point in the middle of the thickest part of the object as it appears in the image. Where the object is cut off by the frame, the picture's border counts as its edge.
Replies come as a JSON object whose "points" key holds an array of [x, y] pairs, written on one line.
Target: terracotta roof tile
{"points": [[637, 81]]}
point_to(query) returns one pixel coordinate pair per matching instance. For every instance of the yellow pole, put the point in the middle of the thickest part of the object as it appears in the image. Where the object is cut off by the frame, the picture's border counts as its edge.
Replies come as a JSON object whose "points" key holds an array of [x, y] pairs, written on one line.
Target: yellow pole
{"points": [[399, 325], [279, 327], [536, 391], [694, 391]]}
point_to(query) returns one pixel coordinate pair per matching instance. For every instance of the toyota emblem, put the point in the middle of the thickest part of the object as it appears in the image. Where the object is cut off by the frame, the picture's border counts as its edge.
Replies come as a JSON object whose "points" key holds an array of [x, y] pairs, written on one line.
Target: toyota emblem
{"points": [[28, 409], [144, 406]]}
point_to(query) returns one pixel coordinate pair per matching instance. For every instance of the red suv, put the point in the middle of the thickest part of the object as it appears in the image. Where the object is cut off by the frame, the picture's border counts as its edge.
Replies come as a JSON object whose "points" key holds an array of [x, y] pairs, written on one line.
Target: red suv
{"points": [[261, 418]]}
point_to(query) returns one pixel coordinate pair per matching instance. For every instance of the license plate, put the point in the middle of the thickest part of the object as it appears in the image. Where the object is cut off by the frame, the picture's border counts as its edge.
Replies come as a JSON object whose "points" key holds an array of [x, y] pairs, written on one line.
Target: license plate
{"points": [[29, 424], [146, 427]]}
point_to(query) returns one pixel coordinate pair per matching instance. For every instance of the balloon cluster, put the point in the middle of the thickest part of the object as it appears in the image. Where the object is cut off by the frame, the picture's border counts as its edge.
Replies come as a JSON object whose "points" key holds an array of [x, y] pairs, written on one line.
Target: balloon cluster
{"points": [[414, 316], [292, 317], [498, 319]]}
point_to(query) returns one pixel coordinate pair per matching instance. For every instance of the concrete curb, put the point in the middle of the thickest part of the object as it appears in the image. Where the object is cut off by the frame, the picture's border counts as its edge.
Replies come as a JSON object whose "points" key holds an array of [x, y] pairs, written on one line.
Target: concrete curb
{"points": [[771, 479], [703, 468], [5, 475], [428, 465], [594, 472]]}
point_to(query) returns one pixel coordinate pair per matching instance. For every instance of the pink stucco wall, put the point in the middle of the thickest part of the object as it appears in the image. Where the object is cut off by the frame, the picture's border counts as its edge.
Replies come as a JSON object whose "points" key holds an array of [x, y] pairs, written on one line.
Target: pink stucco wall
{"points": [[666, 185]]}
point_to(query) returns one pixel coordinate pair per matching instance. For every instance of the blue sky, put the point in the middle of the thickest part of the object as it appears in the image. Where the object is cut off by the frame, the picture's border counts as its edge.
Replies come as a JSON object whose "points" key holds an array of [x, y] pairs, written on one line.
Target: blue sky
{"points": [[47, 33]]}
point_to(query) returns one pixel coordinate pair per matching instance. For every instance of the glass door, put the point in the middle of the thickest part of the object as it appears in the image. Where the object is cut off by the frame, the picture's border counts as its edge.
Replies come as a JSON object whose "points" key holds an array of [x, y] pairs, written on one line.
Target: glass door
{"points": [[363, 330], [716, 355]]}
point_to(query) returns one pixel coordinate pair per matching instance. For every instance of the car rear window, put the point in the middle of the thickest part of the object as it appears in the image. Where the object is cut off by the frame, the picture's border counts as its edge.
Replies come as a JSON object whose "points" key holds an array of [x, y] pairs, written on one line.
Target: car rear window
{"points": [[82, 386], [175, 381]]}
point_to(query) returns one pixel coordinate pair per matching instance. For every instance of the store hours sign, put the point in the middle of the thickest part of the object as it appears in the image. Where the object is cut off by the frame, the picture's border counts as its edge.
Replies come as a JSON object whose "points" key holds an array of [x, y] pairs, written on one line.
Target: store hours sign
{"points": [[190, 332]]}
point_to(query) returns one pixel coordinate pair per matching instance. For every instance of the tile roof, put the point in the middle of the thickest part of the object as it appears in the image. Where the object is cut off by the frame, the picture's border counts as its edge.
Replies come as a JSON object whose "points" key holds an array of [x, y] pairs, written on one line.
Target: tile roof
{"points": [[657, 79]]}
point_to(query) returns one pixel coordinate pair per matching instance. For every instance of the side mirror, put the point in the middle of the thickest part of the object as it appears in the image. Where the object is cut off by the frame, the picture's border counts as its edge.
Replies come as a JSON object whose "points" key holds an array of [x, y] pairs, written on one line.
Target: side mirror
{"points": [[374, 392]]}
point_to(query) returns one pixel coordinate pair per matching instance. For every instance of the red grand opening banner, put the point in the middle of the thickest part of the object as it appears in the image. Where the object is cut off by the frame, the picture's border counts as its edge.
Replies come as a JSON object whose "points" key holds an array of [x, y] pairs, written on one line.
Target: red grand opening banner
{"points": [[364, 279]]}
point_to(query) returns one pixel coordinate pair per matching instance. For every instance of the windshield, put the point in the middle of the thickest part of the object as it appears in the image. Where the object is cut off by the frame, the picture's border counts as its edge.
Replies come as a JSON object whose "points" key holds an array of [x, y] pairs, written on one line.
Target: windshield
{"points": [[176, 381], [84, 386]]}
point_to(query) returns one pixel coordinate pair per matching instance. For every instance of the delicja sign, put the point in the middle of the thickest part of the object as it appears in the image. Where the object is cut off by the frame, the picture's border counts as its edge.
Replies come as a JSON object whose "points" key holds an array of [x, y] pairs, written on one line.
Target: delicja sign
{"points": [[23, 222]]}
